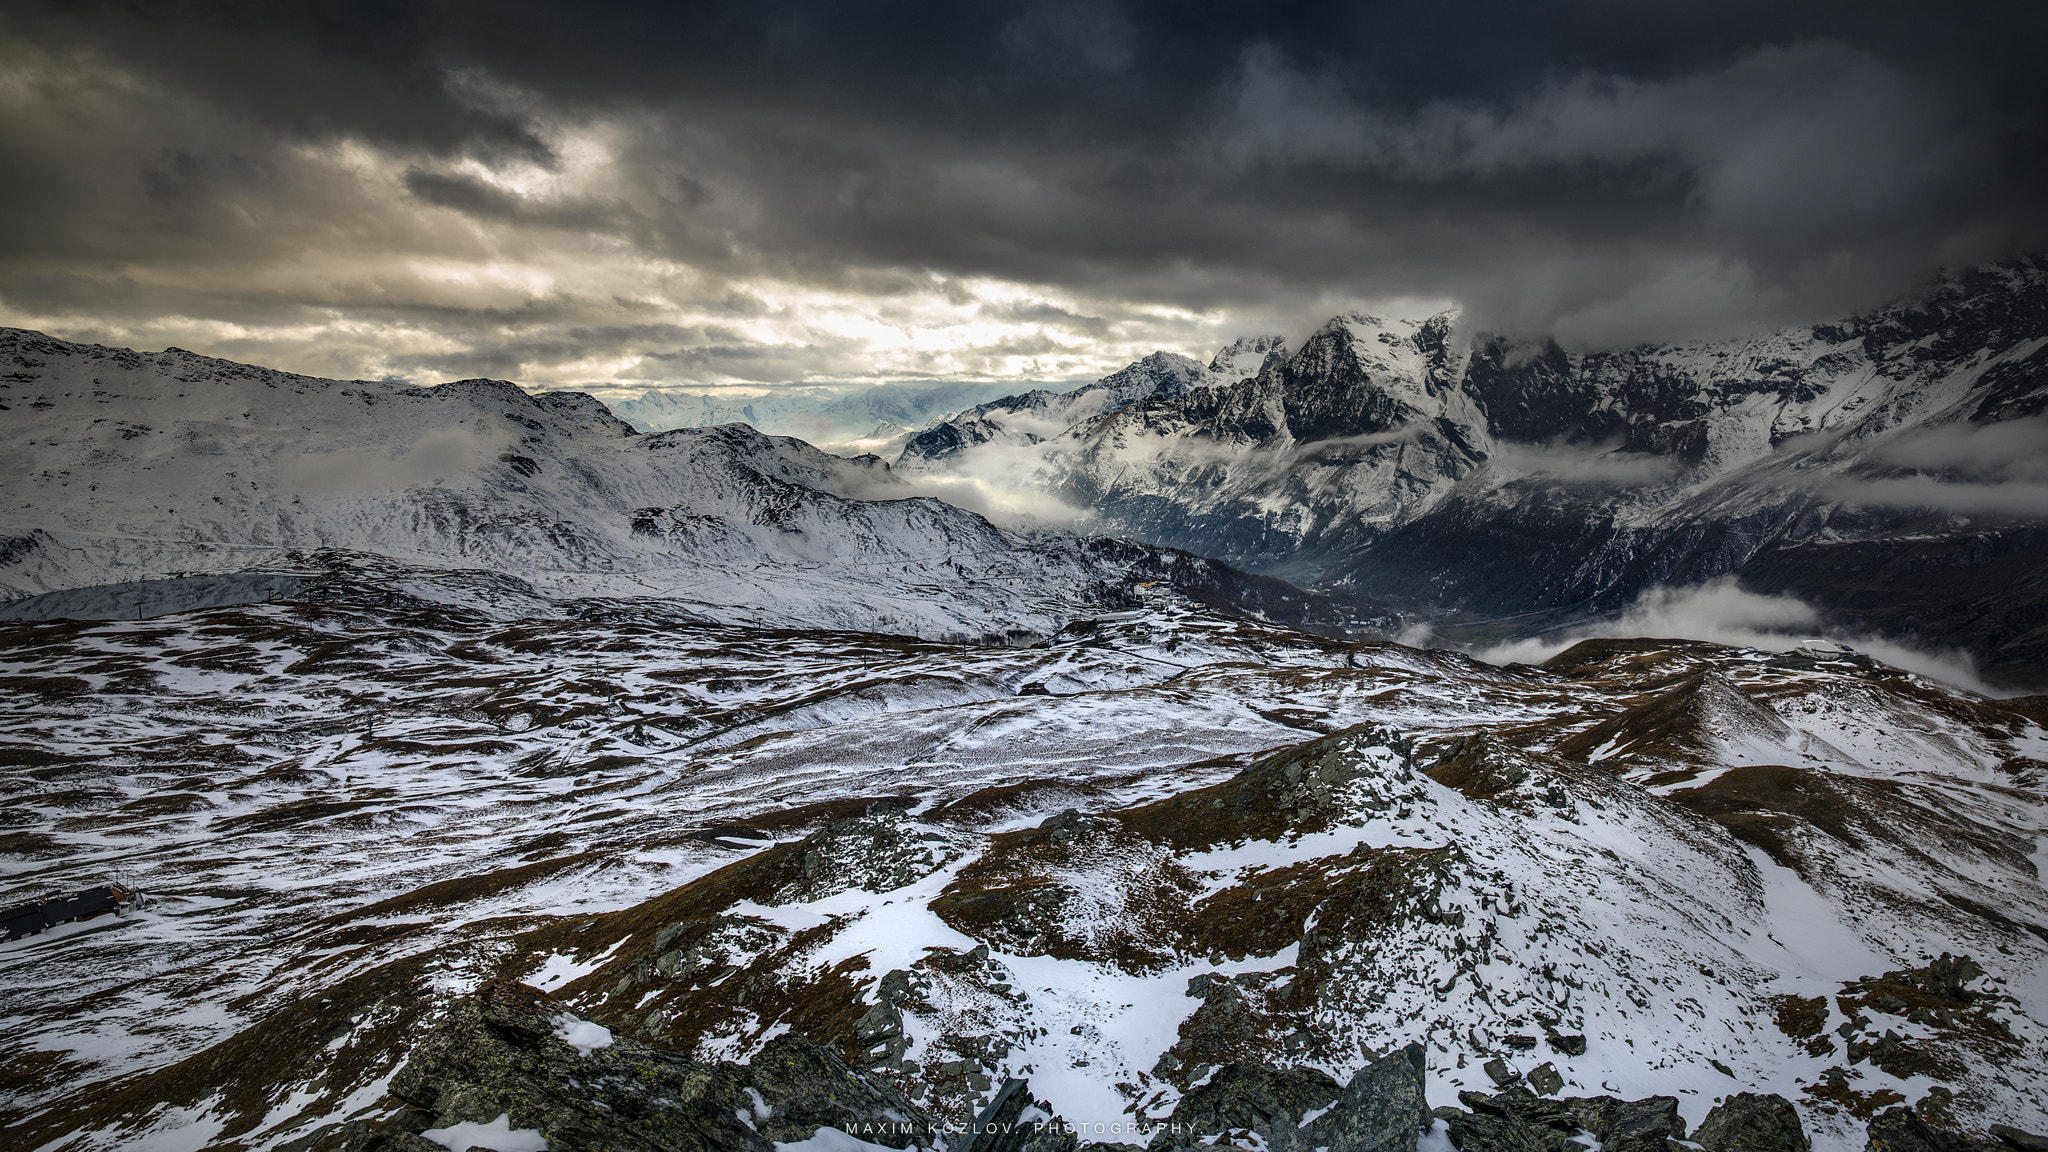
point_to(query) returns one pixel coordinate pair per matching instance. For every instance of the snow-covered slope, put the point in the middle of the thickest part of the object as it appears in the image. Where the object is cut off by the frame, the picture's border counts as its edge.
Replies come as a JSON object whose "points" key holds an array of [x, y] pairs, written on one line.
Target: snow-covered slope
{"points": [[1111, 864], [1244, 358], [128, 466], [1020, 421], [1461, 473]]}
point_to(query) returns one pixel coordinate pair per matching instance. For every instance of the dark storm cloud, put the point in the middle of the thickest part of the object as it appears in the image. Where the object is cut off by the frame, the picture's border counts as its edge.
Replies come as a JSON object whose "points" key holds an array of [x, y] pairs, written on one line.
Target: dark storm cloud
{"points": [[1039, 312], [1605, 171]]}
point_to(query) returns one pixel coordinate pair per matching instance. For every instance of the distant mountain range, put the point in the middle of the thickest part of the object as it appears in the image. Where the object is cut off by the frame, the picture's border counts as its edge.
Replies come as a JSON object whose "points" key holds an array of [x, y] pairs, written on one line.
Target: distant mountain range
{"points": [[497, 771], [1890, 469], [880, 418], [1887, 469], [133, 466]]}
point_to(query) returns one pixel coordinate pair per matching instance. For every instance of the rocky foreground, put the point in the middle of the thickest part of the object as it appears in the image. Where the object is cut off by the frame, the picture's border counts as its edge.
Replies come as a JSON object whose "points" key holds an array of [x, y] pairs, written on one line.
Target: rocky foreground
{"points": [[509, 1069], [1130, 867]]}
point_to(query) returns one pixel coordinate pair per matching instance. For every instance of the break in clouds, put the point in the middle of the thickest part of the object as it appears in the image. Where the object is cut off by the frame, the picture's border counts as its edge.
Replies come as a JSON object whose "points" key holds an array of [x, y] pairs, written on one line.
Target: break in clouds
{"points": [[767, 195]]}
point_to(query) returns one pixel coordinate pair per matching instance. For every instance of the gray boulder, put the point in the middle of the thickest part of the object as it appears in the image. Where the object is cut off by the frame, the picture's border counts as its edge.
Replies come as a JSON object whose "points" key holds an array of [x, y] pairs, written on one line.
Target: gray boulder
{"points": [[2019, 1138], [1015, 1122], [1904, 1129], [1247, 1098], [1512, 1121], [1520, 1121], [1747, 1122], [1630, 1125], [1383, 1109]]}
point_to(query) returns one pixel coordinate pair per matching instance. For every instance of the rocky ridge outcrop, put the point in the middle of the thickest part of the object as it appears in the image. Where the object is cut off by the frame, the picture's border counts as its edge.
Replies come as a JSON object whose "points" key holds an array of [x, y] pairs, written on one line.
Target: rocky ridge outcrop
{"points": [[508, 1067], [510, 1052]]}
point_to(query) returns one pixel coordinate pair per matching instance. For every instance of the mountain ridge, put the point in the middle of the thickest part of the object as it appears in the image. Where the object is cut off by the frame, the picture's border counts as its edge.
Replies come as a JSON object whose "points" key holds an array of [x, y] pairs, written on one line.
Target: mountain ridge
{"points": [[1466, 476], [820, 415], [140, 465]]}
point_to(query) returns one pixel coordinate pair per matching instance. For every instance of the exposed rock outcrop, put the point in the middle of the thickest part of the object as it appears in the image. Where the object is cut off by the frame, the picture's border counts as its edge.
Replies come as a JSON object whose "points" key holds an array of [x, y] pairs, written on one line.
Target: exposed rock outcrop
{"points": [[1382, 1109], [1748, 1122], [1520, 1121], [510, 1052]]}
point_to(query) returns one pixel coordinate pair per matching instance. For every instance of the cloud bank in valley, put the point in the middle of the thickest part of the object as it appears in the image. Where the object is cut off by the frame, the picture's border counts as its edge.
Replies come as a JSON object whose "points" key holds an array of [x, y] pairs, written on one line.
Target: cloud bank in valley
{"points": [[1721, 612], [1997, 468], [742, 194]]}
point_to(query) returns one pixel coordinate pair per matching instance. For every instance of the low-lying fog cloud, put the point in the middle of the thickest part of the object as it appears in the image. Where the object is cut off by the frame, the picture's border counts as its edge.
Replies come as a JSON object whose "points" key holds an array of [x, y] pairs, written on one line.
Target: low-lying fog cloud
{"points": [[1722, 613], [1999, 469], [441, 456], [1602, 464]]}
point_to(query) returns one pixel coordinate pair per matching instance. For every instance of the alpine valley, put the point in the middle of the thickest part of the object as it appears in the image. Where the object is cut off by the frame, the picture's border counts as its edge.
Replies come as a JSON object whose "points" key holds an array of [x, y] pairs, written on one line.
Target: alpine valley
{"points": [[498, 775]]}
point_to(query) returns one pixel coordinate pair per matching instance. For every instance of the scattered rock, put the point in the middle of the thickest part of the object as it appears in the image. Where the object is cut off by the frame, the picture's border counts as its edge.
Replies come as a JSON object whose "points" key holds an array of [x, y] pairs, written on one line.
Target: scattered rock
{"points": [[1342, 778], [1947, 1024], [1747, 1122], [1480, 766], [1545, 1080], [1567, 1045], [1498, 1071], [880, 852], [879, 1032], [1236, 1023]]}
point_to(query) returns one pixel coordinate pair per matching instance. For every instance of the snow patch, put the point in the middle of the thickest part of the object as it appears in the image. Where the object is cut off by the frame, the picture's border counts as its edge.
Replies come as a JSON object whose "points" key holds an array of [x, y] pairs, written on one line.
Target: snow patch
{"points": [[582, 1035], [830, 1139], [498, 1136]]}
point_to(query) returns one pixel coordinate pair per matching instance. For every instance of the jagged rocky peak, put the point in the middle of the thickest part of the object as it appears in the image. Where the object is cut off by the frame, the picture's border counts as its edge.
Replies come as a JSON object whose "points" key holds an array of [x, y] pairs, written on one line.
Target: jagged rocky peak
{"points": [[1476, 477], [1160, 374], [1246, 357], [1363, 374], [1033, 417], [1037, 416], [821, 415]]}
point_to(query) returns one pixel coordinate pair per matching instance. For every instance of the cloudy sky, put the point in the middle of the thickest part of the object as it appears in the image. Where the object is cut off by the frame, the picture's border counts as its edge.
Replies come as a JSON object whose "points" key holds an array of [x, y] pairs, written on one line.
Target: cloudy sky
{"points": [[760, 193]]}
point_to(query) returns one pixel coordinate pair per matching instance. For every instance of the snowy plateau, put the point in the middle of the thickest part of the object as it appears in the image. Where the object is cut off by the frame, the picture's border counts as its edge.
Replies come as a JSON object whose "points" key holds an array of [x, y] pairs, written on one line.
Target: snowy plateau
{"points": [[500, 776]]}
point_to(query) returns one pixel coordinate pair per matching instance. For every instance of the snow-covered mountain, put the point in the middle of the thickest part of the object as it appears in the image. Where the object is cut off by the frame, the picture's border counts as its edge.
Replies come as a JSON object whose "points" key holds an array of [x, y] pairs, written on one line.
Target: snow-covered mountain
{"points": [[1891, 469], [493, 736], [834, 419], [129, 466], [1033, 417]]}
